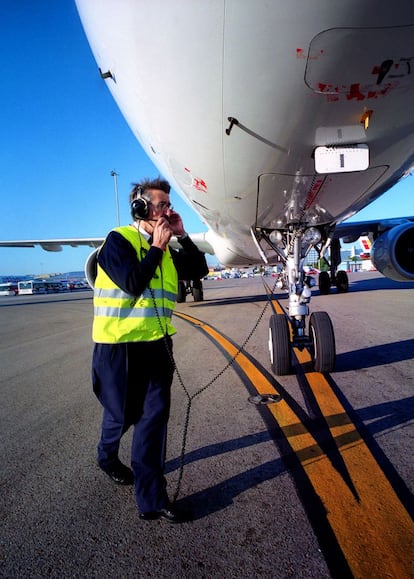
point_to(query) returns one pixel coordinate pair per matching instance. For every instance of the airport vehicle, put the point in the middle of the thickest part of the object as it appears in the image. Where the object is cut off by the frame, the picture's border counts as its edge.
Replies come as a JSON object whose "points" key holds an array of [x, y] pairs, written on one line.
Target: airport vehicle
{"points": [[77, 285], [54, 286], [32, 286], [8, 289], [276, 129]]}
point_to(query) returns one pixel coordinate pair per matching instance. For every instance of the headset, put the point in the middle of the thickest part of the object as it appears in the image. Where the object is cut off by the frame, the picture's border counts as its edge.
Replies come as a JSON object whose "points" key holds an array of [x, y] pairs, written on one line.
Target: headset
{"points": [[140, 206]]}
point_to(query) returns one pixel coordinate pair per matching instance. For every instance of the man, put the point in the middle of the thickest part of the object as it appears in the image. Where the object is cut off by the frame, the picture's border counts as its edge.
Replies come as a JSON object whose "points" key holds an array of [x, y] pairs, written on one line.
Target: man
{"points": [[132, 369]]}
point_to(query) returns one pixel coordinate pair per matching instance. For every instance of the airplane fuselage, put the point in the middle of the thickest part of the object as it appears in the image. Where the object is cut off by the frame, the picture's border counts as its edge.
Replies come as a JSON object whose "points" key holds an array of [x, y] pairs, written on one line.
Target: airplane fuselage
{"points": [[230, 100]]}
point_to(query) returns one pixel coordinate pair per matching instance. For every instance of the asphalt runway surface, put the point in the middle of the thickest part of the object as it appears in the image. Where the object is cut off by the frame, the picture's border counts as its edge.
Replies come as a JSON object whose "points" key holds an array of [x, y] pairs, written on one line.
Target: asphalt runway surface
{"points": [[257, 509]]}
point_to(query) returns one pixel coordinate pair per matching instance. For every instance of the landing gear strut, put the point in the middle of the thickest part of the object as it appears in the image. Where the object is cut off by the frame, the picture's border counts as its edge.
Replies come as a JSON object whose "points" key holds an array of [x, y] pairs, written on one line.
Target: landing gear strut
{"points": [[194, 287], [335, 277], [286, 331]]}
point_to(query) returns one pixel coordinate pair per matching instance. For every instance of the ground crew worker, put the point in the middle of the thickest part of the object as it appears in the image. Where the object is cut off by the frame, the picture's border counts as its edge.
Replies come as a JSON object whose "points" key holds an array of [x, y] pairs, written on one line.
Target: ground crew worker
{"points": [[132, 368]]}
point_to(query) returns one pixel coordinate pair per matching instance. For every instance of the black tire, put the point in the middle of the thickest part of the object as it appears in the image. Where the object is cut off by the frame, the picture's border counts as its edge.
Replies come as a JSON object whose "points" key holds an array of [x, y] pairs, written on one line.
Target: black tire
{"points": [[342, 282], [322, 337], [279, 345], [182, 292], [324, 283], [197, 290]]}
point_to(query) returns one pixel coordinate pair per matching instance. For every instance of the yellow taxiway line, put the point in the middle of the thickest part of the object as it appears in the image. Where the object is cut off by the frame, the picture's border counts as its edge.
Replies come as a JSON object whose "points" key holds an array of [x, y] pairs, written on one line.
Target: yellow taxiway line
{"points": [[371, 525]]}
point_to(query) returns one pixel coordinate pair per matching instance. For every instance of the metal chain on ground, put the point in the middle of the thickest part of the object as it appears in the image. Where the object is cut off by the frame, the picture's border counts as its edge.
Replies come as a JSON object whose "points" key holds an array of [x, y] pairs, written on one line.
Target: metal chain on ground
{"points": [[191, 397]]}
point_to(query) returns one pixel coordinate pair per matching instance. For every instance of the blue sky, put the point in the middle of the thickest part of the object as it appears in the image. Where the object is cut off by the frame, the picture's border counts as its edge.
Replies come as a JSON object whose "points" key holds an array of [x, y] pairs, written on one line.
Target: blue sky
{"points": [[62, 135]]}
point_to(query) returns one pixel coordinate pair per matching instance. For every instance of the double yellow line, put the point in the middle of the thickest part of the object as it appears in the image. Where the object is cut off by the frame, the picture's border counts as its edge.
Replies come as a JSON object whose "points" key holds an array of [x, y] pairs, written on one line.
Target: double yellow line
{"points": [[371, 525]]}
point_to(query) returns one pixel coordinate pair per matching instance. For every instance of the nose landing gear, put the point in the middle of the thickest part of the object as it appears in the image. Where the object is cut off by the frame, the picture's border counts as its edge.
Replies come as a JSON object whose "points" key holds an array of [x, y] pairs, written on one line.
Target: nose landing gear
{"points": [[320, 343], [287, 331]]}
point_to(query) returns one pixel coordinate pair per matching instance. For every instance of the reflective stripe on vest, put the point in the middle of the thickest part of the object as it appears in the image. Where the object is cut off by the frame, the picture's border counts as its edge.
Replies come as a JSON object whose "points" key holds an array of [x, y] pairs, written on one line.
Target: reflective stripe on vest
{"points": [[147, 293], [122, 317]]}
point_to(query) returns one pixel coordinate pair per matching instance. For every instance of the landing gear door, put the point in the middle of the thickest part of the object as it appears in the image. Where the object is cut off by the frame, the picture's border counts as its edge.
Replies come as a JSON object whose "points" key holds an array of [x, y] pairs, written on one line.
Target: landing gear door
{"points": [[283, 199], [312, 199]]}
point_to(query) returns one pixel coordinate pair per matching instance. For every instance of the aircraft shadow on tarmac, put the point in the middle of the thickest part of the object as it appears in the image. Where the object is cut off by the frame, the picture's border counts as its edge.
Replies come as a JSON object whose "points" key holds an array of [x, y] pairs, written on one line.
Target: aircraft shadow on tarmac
{"points": [[379, 283], [381, 417], [388, 414], [369, 285], [375, 356], [355, 360], [221, 495]]}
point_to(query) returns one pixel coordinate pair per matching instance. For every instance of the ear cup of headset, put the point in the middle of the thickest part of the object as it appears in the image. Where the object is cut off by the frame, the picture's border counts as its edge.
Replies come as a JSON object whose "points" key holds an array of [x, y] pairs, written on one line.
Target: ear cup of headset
{"points": [[139, 208]]}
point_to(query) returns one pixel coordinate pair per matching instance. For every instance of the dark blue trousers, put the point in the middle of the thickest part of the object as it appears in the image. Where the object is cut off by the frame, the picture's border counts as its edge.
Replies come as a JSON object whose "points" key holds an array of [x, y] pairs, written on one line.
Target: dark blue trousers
{"points": [[133, 383]]}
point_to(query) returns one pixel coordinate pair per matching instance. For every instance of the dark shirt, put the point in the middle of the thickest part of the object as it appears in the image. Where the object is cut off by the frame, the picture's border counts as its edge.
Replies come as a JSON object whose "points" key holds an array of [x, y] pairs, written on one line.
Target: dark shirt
{"points": [[119, 260]]}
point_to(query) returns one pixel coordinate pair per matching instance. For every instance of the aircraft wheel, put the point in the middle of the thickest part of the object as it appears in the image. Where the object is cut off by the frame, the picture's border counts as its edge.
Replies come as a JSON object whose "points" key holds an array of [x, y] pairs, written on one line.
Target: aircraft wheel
{"points": [[279, 344], [182, 292], [342, 283], [324, 282], [197, 290], [322, 337]]}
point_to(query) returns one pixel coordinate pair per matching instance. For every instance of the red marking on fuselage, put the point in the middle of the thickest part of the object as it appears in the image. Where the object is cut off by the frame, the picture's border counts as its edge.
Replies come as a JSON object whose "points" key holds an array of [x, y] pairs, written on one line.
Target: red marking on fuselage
{"points": [[355, 91], [199, 184], [301, 53], [313, 193]]}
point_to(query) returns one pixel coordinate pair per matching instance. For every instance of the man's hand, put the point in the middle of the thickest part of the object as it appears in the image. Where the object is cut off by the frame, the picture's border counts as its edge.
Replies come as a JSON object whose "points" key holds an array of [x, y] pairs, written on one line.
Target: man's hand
{"points": [[176, 223], [162, 233]]}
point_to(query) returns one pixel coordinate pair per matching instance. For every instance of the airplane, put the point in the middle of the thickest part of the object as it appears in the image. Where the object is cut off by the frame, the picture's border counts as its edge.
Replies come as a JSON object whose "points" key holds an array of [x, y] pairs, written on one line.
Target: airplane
{"points": [[276, 122]]}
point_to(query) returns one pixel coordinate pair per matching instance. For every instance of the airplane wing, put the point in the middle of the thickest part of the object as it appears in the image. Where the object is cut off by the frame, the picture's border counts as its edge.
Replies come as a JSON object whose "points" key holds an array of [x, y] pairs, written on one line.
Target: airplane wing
{"points": [[201, 241], [57, 244], [350, 232], [54, 244]]}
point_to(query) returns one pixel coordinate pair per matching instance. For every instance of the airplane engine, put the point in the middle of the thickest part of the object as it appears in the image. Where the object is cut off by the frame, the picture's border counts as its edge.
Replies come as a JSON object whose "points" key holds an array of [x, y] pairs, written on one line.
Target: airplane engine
{"points": [[393, 253], [91, 267]]}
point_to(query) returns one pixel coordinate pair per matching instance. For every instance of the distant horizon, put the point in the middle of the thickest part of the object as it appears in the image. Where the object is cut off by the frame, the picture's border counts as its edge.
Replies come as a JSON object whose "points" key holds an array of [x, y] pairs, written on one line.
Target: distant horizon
{"points": [[77, 274]]}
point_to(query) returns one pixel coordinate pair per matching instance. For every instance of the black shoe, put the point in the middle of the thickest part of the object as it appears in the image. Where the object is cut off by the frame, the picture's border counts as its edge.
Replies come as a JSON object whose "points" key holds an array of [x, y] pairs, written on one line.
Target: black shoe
{"points": [[169, 514], [119, 473]]}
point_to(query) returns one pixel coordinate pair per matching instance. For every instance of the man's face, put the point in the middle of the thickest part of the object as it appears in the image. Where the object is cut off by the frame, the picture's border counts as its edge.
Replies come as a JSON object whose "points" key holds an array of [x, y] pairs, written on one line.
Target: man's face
{"points": [[159, 205]]}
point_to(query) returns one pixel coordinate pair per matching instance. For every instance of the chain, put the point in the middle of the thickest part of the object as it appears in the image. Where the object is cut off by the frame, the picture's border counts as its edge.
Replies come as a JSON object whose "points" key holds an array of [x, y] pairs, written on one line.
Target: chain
{"points": [[191, 397]]}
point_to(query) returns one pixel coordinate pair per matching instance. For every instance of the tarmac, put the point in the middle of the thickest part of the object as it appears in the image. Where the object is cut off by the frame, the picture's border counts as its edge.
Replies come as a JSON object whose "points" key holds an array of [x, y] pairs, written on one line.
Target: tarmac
{"points": [[261, 508]]}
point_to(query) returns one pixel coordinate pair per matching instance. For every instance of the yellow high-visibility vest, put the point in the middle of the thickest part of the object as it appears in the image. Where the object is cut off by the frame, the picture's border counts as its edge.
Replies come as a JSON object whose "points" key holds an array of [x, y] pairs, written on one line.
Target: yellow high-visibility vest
{"points": [[122, 317]]}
